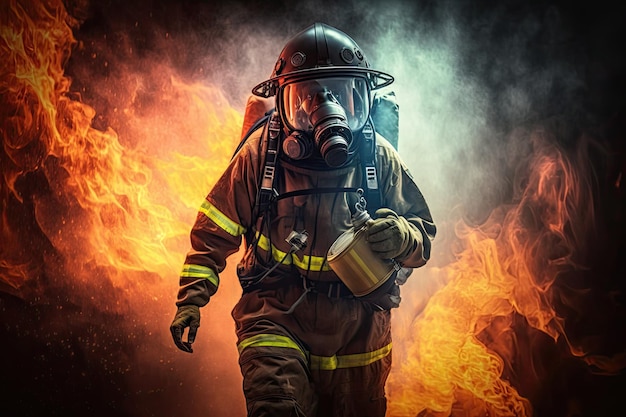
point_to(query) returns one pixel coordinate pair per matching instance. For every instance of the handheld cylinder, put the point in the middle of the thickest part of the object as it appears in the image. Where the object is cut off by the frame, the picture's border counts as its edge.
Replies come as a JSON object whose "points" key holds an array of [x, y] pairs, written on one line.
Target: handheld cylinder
{"points": [[354, 262]]}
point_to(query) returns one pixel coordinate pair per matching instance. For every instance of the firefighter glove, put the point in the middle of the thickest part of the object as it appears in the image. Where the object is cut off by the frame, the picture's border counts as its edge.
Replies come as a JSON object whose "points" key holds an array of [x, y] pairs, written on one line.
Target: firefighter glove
{"points": [[391, 236], [186, 316]]}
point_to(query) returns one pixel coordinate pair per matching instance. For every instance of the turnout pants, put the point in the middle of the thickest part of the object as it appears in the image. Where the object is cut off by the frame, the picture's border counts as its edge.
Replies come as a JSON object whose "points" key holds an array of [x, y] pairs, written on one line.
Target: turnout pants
{"points": [[329, 357]]}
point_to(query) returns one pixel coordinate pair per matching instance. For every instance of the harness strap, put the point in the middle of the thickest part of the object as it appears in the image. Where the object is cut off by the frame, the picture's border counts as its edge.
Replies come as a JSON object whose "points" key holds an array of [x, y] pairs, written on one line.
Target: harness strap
{"points": [[368, 156], [311, 191], [267, 191]]}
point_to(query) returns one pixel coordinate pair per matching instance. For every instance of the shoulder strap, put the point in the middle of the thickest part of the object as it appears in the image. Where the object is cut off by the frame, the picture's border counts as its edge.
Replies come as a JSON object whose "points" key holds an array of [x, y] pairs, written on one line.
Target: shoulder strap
{"points": [[368, 161], [384, 119], [267, 192]]}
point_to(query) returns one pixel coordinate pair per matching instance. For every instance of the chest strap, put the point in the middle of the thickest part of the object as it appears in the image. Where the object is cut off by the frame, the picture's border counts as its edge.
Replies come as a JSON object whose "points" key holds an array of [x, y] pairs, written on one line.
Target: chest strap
{"points": [[311, 191]]}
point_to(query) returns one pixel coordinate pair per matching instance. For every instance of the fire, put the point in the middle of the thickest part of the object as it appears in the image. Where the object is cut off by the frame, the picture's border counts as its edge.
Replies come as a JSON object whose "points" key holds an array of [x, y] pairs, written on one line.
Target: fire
{"points": [[95, 222], [451, 363], [126, 208]]}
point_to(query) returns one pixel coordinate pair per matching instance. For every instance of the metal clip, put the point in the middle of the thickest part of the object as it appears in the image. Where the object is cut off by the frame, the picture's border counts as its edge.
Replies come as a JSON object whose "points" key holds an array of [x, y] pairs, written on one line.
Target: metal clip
{"points": [[297, 240]]}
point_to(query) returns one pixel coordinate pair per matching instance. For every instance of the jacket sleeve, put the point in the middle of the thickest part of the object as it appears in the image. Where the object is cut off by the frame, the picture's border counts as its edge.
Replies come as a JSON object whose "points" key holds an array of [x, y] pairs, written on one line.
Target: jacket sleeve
{"points": [[402, 195], [222, 219]]}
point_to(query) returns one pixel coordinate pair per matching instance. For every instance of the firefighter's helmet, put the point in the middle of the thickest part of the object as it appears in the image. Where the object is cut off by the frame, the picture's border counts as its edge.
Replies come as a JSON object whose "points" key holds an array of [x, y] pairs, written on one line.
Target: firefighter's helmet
{"points": [[320, 50], [322, 81]]}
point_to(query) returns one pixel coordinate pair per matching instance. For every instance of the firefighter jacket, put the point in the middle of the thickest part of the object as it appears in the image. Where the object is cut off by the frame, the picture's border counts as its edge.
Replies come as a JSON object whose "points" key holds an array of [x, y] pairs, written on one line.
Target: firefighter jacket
{"points": [[230, 212]]}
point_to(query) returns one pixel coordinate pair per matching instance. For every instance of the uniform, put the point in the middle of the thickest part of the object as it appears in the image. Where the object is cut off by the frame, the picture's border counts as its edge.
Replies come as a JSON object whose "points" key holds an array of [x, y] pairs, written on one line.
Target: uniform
{"points": [[307, 345]]}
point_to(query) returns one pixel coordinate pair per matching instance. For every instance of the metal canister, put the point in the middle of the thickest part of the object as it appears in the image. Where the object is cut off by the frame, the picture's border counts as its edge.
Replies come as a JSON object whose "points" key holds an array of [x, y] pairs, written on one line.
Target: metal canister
{"points": [[354, 262]]}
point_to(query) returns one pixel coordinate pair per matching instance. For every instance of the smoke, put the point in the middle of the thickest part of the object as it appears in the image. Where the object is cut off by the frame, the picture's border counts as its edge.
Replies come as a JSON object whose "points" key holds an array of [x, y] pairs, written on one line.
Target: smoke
{"points": [[466, 77], [473, 81]]}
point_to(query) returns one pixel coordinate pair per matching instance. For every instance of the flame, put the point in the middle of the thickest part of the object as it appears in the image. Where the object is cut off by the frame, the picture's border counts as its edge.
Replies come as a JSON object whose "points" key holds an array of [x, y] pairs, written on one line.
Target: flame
{"points": [[95, 222], [126, 208], [451, 362]]}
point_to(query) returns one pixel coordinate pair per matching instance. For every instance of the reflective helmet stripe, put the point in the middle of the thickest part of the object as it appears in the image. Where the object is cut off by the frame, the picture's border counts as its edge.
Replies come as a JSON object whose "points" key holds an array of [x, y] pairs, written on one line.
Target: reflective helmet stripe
{"points": [[229, 226], [306, 263], [323, 363], [200, 272]]}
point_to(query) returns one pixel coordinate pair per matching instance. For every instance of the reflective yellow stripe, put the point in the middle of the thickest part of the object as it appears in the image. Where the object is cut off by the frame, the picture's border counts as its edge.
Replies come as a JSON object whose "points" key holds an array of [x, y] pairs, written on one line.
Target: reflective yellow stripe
{"points": [[307, 263], [200, 272], [269, 340], [220, 219], [324, 363], [330, 363]]}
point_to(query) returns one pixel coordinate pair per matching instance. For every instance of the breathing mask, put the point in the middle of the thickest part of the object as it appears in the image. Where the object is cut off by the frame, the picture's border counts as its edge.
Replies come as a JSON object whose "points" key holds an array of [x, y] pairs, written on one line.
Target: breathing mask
{"points": [[321, 115]]}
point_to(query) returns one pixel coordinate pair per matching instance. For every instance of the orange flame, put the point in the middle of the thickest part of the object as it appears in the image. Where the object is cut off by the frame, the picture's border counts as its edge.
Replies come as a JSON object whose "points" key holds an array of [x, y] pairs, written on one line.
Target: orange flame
{"points": [[125, 208], [96, 223], [507, 267]]}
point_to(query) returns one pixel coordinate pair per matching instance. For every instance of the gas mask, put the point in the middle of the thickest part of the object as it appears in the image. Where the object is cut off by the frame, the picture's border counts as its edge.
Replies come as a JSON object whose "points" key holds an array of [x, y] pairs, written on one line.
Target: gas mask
{"points": [[322, 116]]}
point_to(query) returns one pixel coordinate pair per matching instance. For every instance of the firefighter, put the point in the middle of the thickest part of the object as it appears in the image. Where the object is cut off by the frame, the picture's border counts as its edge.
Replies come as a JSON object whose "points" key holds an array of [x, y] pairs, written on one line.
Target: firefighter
{"points": [[308, 346]]}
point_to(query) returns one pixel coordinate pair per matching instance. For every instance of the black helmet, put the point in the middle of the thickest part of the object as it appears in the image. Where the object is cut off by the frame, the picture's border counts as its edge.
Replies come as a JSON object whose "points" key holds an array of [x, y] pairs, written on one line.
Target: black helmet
{"points": [[322, 81], [320, 50]]}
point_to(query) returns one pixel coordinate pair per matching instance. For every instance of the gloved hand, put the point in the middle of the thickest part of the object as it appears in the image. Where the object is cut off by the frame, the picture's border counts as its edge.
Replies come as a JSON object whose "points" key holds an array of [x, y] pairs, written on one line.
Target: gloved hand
{"points": [[385, 297], [389, 235], [186, 316]]}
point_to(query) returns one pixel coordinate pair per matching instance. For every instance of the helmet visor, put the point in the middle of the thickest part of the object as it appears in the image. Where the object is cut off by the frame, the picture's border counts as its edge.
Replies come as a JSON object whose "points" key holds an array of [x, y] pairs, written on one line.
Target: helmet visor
{"points": [[299, 99]]}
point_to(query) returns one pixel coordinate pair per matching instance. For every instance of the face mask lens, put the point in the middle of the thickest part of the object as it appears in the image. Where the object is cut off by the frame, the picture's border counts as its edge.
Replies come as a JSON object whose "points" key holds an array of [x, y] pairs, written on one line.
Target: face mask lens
{"points": [[351, 93], [294, 99]]}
